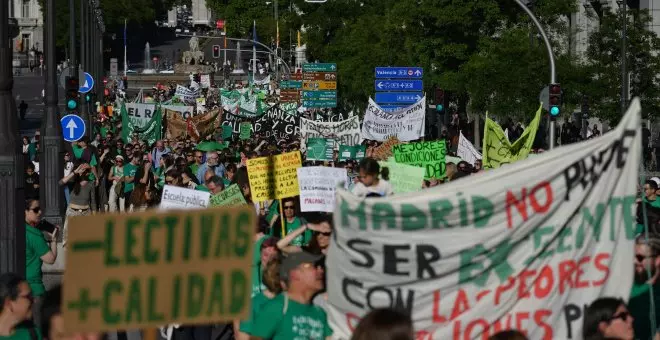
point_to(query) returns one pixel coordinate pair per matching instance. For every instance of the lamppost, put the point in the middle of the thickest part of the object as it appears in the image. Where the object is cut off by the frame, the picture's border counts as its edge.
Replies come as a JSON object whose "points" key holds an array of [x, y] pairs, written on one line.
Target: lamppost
{"points": [[624, 53], [51, 157], [12, 230], [84, 47], [73, 63]]}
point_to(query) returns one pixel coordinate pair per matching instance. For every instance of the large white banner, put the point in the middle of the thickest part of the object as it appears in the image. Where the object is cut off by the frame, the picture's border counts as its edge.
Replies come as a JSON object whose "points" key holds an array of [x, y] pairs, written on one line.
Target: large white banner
{"points": [[345, 132], [525, 246], [406, 124], [140, 114], [185, 94], [317, 187]]}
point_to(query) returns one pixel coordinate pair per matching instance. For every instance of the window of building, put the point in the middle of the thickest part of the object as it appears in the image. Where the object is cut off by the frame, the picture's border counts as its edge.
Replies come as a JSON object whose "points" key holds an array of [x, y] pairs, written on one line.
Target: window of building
{"points": [[26, 41], [25, 11]]}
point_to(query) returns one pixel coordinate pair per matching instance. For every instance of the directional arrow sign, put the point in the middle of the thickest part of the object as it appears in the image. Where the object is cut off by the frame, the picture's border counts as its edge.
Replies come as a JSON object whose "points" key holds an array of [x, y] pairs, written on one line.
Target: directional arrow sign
{"points": [[399, 72], [73, 128], [398, 85], [392, 108], [320, 67], [87, 84], [398, 97]]}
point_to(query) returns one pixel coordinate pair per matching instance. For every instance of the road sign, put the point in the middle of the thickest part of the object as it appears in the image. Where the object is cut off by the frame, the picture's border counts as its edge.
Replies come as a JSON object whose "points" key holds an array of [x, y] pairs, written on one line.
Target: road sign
{"points": [[320, 67], [320, 103], [398, 97], [319, 94], [398, 85], [399, 72], [73, 128], [327, 76], [320, 85], [544, 98], [87, 84], [291, 84], [114, 67]]}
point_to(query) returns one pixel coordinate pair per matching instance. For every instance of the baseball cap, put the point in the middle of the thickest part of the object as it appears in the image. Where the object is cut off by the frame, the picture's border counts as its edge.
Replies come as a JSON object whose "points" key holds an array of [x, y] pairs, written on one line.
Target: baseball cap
{"points": [[119, 157], [656, 180], [293, 260]]}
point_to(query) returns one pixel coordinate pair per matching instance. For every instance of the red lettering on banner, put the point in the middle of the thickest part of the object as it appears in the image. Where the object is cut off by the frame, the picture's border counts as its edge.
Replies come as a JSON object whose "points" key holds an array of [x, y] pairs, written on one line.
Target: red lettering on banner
{"points": [[352, 321], [598, 263], [474, 324], [579, 272], [521, 205], [522, 316], [503, 288], [461, 305], [566, 269], [541, 292], [437, 318], [523, 290]]}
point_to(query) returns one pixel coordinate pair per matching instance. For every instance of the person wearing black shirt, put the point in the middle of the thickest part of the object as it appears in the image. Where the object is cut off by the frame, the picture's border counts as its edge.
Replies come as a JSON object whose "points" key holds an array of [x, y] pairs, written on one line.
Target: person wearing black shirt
{"points": [[31, 183]]}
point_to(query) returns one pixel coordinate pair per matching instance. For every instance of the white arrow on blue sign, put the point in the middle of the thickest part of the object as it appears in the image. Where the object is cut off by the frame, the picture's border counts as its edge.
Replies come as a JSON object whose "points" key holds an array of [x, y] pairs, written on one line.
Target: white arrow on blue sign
{"points": [[398, 97], [399, 72], [73, 128], [88, 83], [398, 85]]}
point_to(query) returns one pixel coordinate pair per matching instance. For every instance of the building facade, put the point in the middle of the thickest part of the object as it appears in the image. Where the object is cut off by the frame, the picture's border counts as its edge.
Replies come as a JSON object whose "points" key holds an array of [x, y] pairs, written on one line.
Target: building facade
{"points": [[29, 44]]}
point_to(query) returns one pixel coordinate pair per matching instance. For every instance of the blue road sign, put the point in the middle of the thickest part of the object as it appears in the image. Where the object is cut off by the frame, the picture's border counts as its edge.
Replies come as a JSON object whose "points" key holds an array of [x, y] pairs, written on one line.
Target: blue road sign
{"points": [[88, 83], [398, 97], [392, 108], [398, 85], [399, 72], [73, 128]]}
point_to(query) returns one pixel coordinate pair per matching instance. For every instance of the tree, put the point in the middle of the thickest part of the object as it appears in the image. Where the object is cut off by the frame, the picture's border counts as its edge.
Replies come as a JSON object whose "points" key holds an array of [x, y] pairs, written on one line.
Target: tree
{"points": [[604, 65]]}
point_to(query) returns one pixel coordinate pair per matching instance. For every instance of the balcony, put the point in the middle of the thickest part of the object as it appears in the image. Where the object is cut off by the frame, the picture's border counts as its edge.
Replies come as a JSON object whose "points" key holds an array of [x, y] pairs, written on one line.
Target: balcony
{"points": [[29, 22]]}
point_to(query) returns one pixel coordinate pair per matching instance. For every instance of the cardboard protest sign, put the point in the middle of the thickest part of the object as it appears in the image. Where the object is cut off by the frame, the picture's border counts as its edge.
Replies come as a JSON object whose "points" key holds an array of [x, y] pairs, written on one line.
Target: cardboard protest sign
{"points": [[232, 195], [429, 155], [404, 178], [193, 127], [183, 198], [132, 271], [526, 246], [406, 124], [497, 149], [355, 152], [466, 150], [345, 132], [274, 177], [320, 149], [245, 131], [384, 151], [317, 187]]}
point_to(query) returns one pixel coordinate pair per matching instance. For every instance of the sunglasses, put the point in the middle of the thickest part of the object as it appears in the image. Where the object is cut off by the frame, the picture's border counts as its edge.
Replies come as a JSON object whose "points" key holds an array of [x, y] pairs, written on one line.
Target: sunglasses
{"points": [[641, 258], [326, 233], [288, 207], [36, 210], [623, 316]]}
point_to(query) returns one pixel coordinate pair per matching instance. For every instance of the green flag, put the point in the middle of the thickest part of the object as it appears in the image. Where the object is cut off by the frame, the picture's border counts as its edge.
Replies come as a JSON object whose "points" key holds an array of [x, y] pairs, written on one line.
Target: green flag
{"points": [[150, 133], [497, 148]]}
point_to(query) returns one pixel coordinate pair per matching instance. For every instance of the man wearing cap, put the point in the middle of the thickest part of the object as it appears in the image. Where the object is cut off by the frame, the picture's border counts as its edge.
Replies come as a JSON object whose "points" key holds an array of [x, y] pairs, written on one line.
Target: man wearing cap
{"points": [[291, 315]]}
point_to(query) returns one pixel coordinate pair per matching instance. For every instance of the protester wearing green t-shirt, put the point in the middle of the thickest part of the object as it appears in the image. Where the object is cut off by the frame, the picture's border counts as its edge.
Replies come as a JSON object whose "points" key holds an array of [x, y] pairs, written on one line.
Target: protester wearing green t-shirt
{"points": [[129, 175], [37, 249], [647, 275], [291, 315], [16, 309], [650, 197], [292, 222], [268, 280]]}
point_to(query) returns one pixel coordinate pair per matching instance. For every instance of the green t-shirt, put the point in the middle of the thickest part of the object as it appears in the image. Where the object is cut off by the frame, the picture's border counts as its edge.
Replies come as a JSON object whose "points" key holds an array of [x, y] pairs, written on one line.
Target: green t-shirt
{"points": [[77, 153], [226, 182], [655, 204], [257, 283], [258, 303], [129, 171], [278, 320], [194, 167], [639, 306], [35, 248], [23, 333], [202, 187]]}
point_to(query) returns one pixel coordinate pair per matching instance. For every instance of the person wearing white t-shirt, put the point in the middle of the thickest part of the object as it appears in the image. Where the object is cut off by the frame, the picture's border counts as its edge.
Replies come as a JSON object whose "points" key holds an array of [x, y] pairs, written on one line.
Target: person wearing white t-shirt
{"points": [[369, 182]]}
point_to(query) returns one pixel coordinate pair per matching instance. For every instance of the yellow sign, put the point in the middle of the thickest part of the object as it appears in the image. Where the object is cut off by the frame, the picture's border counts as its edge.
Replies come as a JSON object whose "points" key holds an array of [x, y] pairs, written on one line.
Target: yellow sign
{"points": [[274, 177], [131, 271], [320, 85]]}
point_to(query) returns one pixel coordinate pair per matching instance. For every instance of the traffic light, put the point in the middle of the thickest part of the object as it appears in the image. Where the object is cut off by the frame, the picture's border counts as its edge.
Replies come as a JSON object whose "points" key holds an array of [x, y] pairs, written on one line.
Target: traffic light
{"points": [[216, 51], [439, 100], [554, 100], [71, 88]]}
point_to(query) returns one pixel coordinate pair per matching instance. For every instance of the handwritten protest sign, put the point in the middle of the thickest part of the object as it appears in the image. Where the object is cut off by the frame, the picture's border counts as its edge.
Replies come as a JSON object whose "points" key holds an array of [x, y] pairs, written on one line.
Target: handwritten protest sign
{"points": [[317, 187], [346, 132], [274, 177], [406, 124], [404, 178], [232, 195], [132, 271], [355, 152], [497, 149], [525, 246], [429, 155], [466, 150], [320, 149], [183, 198], [384, 151]]}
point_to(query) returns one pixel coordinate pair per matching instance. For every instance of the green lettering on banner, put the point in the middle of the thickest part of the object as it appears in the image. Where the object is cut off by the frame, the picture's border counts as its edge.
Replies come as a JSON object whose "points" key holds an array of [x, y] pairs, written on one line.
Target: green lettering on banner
{"points": [[205, 235], [412, 218], [359, 213], [150, 254], [429, 155], [439, 210], [110, 259], [196, 295], [217, 296], [110, 316], [130, 241], [170, 224], [564, 233], [134, 303], [152, 314], [243, 238], [468, 265], [239, 289], [176, 297], [383, 213], [627, 205], [483, 211]]}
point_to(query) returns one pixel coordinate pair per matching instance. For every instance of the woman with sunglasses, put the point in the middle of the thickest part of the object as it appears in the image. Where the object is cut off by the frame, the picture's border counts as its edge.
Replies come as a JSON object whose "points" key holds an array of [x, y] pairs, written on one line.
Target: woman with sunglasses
{"points": [[292, 222], [608, 318], [38, 249], [319, 243]]}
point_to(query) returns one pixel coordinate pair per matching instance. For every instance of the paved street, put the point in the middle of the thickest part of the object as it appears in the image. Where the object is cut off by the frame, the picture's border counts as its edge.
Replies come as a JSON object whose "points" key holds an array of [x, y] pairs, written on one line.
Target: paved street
{"points": [[28, 87]]}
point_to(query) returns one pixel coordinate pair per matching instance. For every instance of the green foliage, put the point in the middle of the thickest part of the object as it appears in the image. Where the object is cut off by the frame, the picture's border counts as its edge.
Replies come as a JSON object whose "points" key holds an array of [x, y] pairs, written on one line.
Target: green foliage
{"points": [[604, 65]]}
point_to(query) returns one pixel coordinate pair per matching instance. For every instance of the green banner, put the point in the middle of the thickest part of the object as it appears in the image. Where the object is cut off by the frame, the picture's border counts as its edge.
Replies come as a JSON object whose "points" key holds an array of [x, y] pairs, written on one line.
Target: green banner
{"points": [[497, 149], [245, 103], [355, 152], [150, 133], [226, 132], [320, 149], [245, 131], [429, 155], [232, 195]]}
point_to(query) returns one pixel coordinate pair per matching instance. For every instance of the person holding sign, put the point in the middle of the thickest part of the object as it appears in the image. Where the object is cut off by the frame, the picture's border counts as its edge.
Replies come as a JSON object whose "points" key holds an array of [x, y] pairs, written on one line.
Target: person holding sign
{"points": [[319, 243], [291, 315], [370, 185], [292, 222]]}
